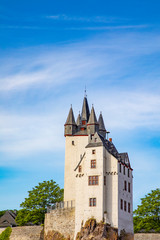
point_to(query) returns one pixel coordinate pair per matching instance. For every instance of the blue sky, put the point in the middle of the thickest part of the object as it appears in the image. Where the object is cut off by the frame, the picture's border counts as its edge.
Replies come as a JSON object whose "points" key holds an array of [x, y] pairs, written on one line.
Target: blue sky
{"points": [[49, 52]]}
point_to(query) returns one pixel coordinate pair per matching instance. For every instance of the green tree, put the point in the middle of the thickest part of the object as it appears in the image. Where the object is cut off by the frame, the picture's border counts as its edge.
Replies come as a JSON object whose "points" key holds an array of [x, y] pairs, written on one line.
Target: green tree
{"points": [[147, 215], [39, 198]]}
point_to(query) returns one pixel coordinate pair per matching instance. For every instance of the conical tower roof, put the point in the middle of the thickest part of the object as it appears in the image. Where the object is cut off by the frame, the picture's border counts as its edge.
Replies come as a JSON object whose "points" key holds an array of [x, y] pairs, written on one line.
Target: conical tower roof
{"points": [[92, 118], [85, 110], [70, 118], [101, 123], [78, 122]]}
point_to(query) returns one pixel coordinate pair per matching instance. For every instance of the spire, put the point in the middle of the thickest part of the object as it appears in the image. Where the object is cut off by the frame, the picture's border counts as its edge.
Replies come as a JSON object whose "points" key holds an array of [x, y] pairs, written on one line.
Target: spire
{"points": [[102, 129], [78, 122], [85, 109], [70, 118], [92, 118], [101, 123]]}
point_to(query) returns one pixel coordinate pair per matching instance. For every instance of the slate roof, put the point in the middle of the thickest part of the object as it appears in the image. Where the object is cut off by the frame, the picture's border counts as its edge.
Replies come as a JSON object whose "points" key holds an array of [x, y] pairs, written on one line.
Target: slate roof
{"points": [[78, 122], [70, 118], [92, 118], [85, 110], [122, 157], [8, 219], [101, 123]]}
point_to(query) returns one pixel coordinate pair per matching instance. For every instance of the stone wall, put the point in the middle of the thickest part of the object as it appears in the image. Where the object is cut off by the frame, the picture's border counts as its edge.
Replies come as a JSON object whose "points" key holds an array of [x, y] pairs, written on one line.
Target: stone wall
{"points": [[147, 236], [60, 220], [27, 233]]}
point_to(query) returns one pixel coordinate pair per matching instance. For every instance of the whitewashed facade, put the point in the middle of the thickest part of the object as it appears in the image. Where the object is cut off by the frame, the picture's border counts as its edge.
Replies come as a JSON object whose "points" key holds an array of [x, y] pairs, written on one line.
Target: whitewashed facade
{"points": [[97, 177]]}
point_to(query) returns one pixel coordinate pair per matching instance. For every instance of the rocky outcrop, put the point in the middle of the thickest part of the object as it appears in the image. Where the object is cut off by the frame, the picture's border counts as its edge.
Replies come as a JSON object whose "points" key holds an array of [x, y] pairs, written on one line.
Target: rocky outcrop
{"points": [[100, 231]]}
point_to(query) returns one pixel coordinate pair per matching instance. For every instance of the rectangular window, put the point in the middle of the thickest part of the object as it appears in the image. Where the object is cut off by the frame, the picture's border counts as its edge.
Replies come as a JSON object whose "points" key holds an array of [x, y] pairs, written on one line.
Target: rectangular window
{"points": [[120, 166], [129, 207], [125, 206], [128, 173], [104, 180], [80, 168], [72, 142], [125, 185], [121, 204], [92, 202], [93, 163], [124, 170], [93, 180], [129, 187], [93, 151]]}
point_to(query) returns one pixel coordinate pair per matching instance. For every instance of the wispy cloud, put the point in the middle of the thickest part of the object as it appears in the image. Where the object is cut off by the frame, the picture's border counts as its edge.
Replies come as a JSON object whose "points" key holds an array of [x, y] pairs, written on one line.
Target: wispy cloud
{"points": [[95, 19], [113, 57], [118, 66], [100, 28]]}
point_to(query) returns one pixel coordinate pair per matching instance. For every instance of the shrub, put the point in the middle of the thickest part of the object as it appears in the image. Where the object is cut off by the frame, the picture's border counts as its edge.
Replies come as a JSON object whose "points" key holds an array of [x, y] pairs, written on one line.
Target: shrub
{"points": [[6, 234]]}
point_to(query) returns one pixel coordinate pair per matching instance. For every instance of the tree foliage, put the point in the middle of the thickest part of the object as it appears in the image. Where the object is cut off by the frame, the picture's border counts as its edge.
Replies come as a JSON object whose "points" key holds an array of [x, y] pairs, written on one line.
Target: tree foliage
{"points": [[2, 212], [39, 198], [147, 215]]}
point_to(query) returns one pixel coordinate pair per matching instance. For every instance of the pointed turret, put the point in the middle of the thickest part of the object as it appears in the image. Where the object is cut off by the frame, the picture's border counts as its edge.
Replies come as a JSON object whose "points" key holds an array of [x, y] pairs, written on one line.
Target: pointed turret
{"points": [[85, 111], [70, 125], [102, 129], [78, 122], [92, 124]]}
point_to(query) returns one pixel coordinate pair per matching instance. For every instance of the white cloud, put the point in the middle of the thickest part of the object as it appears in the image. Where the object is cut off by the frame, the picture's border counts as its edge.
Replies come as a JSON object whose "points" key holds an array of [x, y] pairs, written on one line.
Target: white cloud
{"points": [[113, 57], [115, 60], [95, 19], [24, 134], [100, 28]]}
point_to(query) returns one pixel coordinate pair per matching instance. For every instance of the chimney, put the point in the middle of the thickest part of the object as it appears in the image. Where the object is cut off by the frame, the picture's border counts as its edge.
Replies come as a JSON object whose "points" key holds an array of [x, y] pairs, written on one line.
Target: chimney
{"points": [[110, 139]]}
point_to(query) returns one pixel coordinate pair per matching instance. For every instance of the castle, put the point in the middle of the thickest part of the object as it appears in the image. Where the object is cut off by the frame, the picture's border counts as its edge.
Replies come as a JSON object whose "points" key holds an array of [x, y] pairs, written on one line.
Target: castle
{"points": [[98, 179]]}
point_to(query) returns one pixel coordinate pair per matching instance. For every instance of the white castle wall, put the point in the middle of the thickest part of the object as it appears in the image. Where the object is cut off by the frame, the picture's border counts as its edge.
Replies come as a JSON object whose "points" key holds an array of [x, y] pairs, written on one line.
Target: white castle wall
{"points": [[125, 219]]}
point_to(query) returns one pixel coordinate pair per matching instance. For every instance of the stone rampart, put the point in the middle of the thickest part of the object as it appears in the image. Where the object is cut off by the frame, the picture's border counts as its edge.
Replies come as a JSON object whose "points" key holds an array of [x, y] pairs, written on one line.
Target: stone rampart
{"points": [[27, 233], [60, 220], [147, 236]]}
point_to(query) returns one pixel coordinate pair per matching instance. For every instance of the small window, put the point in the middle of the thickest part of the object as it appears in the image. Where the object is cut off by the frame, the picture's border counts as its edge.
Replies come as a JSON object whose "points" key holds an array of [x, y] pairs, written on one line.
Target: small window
{"points": [[93, 163], [129, 207], [128, 173], [125, 185], [124, 170], [105, 180], [121, 204], [120, 167], [82, 129], [125, 206], [95, 140], [92, 202], [72, 142], [129, 187], [80, 168], [93, 151], [93, 180]]}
